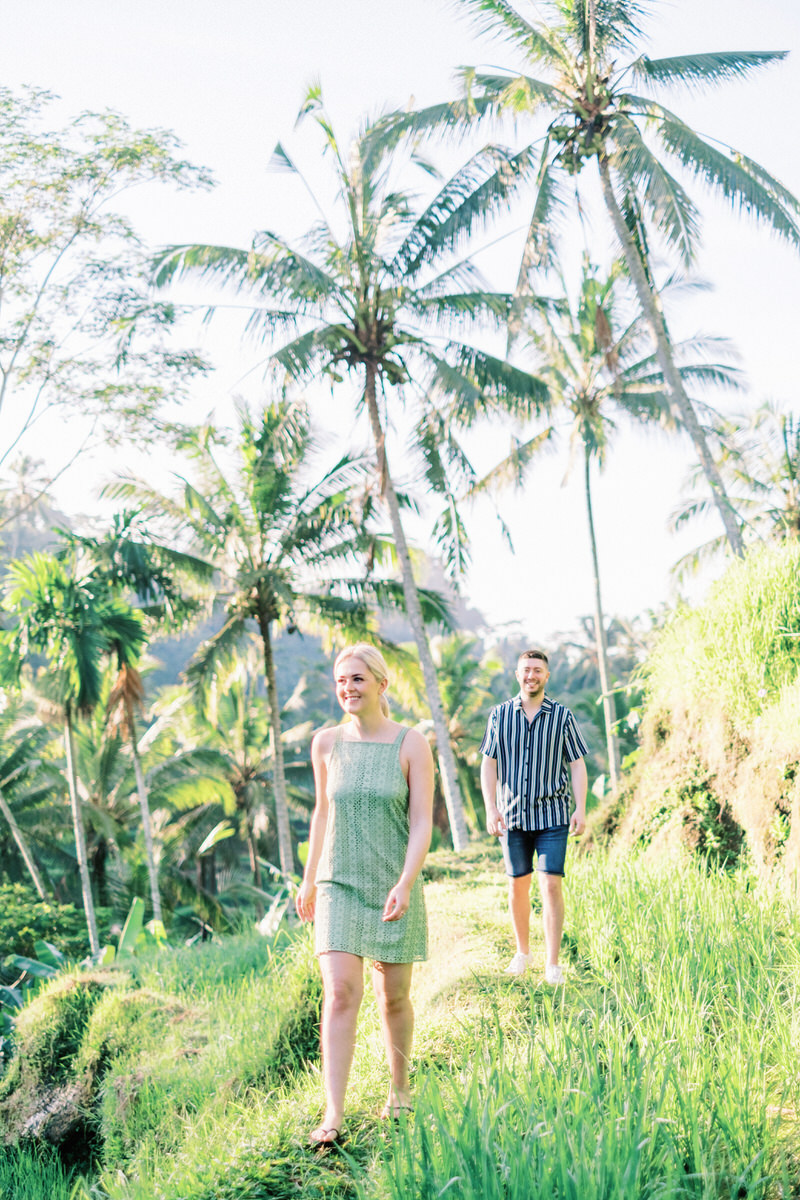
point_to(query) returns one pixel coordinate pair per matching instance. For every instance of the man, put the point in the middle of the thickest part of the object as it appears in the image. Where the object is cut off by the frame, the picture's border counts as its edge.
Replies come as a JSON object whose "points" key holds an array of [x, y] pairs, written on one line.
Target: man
{"points": [[532, 752]]}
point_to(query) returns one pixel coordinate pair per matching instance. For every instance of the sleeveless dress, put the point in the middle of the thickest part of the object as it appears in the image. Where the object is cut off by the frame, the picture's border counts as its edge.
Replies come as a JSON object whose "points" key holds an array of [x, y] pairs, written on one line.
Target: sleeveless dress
{"points": [[363, 854]]}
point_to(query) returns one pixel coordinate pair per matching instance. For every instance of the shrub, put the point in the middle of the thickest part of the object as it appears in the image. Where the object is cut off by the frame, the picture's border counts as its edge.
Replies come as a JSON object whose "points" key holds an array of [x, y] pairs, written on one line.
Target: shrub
{"points": [[25, 920]]}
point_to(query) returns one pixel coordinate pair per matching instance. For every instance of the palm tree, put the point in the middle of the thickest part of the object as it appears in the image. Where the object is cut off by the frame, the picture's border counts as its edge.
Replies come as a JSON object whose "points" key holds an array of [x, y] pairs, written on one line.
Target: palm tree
{"points": [[233, 728], [758, 456], [24, 777], [600, 369], [125, 698], [276, 544], [74, 623], [125, 561], [383, 300], [589, 51], [471, 681]]}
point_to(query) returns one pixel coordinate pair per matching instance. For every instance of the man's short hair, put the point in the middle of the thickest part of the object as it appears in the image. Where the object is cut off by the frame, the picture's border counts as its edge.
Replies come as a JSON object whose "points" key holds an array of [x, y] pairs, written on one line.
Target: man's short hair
{"points": [[534, 654]]}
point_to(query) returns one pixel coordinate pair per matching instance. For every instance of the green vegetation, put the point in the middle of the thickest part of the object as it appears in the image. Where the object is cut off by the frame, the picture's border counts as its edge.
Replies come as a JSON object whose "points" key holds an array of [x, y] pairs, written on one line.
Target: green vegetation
{"points": [[666, 1066], [719, 751]]}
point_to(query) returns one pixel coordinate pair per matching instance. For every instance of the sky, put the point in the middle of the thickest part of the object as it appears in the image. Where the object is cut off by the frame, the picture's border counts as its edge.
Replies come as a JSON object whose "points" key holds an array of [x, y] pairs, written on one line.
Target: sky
{"points": [[228, 79]]}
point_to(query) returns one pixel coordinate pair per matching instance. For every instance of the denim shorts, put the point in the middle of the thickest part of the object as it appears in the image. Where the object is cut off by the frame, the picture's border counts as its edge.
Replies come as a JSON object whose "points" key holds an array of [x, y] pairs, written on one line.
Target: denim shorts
{"points": [[550, 846]]}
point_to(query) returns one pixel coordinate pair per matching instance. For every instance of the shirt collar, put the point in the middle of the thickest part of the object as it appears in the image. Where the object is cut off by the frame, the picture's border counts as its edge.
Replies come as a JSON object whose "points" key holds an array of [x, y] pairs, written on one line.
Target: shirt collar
{"points": [[546, 702]]}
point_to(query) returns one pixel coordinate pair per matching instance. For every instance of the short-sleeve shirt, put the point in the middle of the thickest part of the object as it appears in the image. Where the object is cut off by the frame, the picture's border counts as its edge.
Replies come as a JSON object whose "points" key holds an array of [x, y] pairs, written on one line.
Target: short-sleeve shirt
{"points": [[533, 757]]}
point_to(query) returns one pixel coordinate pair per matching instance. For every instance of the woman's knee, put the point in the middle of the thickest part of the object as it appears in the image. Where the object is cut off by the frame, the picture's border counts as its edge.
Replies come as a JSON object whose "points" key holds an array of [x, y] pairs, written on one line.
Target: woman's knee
{"points": [[342, 992], [392, 990]]}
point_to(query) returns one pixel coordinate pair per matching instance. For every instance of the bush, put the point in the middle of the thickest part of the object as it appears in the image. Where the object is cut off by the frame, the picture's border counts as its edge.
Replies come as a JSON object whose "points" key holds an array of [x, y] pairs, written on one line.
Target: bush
{"points": [[25, 920]]}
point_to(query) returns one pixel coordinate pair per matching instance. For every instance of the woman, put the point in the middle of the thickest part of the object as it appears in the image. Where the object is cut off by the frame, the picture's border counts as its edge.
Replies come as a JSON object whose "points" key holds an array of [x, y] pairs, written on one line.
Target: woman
{"points": [[370, 832]]}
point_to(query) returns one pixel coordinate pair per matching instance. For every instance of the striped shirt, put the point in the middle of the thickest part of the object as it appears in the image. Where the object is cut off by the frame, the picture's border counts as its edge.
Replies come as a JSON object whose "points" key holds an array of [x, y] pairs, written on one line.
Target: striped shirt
{"points": [[533, 757]]}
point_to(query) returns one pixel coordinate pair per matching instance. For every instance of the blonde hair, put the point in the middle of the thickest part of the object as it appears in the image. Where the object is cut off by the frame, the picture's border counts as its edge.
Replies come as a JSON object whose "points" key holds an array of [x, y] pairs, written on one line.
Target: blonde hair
{"points": [[372, 659]]}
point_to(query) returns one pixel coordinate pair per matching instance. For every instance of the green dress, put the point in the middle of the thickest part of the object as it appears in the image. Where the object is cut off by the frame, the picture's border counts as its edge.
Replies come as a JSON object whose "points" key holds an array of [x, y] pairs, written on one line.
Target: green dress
{"points": [[366, 839]]}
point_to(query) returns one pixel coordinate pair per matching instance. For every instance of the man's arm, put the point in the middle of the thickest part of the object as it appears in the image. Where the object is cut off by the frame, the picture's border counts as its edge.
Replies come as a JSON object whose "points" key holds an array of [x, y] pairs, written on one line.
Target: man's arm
{"points": [[580, 783], [494, 821]]}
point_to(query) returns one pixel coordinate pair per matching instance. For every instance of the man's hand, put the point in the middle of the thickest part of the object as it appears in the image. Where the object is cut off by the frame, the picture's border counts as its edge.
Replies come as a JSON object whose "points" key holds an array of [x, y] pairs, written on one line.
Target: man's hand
{"points": [[494, 822], [577, 823]]}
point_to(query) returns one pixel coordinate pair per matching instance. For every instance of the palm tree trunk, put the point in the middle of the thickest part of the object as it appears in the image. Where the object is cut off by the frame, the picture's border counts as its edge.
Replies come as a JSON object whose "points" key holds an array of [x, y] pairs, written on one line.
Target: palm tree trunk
{"points": [[279, 770], [80, 837], [609, 713], [680, 404], [144, 809], [22, 846], [447, 765]]}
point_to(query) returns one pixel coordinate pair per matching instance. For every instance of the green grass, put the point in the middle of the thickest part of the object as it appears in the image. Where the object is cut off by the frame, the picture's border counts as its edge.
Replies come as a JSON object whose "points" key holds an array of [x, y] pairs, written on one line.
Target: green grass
{"points": [[33, 1175], [665, 1068]]}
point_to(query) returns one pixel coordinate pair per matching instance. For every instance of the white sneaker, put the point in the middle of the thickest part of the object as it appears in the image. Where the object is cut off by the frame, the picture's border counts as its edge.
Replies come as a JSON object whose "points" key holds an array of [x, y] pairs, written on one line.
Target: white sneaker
{"points": [[553, 974], [519, 963]]}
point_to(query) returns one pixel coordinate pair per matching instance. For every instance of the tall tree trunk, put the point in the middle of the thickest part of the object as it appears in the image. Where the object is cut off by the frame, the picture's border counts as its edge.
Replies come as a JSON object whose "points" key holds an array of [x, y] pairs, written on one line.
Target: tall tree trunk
{"points": [[609, 713], [144, 809], [279, 770], [447, 764], [22, 846], [680, 404], [80, 837]]}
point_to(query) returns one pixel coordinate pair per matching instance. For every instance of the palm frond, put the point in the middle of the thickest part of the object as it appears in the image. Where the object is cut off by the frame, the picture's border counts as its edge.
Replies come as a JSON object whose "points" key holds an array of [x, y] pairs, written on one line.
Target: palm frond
{"points": [[512, 470], [279, 270], [450, 538], [748, 187], [668, 205], [215, 652], [460, 309], [226, 264], [537, 42], [538, 253], [467, 200], [698, 71], [478, 384]]}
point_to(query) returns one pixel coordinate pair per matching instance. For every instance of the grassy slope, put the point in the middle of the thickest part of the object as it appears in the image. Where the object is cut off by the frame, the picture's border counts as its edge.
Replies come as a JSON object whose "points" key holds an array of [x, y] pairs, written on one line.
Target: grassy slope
{"points": [[667, 1066], [719, 764]]}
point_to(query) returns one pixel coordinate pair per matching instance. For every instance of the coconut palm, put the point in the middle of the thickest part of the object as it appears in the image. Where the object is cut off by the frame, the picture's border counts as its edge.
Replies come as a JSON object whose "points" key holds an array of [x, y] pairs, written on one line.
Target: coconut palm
{"points": [[74, 623], [758, 455], [276, 539], [600, 369], [378, 293], [598, 96]]}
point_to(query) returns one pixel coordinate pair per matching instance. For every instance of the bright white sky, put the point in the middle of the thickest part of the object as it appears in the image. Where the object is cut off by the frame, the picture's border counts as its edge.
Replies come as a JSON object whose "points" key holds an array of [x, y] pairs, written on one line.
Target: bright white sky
{"points": [[229, 78]]}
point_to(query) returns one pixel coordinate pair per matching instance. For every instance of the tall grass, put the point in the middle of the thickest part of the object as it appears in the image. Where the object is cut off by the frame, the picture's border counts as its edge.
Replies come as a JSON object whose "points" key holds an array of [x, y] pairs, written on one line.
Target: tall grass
{"points": [[27, 1174], [737, 651], [666, 1068]]}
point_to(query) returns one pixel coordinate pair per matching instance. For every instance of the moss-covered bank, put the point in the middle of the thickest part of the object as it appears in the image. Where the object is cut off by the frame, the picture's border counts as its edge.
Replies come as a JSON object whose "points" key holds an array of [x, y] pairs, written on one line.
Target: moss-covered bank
{"points": [[718, 770]]}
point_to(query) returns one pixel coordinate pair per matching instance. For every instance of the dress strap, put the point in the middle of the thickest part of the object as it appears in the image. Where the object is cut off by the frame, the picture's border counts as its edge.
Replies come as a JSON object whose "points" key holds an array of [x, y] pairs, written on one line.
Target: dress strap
{"points": [[398, 740]]}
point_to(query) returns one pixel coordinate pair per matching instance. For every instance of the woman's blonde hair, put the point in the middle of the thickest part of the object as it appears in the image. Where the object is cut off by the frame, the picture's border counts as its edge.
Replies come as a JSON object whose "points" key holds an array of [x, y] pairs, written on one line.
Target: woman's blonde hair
{"points": [[372, 659]]}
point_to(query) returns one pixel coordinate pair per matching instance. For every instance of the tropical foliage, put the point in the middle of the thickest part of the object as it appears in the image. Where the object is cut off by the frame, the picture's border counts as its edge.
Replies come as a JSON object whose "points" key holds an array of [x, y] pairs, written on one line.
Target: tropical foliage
{"points": [[758, 455], [375, 300], [282, 545], [595, 93]]}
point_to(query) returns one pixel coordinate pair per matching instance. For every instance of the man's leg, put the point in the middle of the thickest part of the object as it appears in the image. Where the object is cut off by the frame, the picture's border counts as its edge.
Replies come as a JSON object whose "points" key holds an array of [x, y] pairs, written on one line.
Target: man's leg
{"points": [[552, 914], [392, 984], [342, 989], [519, 904]]}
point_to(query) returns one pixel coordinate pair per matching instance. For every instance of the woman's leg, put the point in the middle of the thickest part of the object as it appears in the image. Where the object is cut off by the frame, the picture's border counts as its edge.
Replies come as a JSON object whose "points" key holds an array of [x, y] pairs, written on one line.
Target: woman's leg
{"points": [[392, 983], [342, 988]]}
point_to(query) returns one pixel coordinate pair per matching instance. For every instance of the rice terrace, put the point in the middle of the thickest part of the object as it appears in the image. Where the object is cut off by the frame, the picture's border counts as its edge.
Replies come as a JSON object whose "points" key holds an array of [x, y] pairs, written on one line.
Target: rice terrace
{"points": [[349, 357]]}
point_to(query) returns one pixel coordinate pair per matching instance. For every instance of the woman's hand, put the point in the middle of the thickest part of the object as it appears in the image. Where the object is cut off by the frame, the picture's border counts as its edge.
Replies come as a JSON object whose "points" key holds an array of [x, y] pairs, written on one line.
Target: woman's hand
{"points": [[306, 900], [397, 902]]}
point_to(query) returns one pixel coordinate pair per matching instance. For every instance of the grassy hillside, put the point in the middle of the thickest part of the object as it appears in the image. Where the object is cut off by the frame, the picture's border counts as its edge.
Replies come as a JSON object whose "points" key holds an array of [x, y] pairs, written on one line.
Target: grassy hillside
{"points": [[665, 1067], [719, 765]]}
